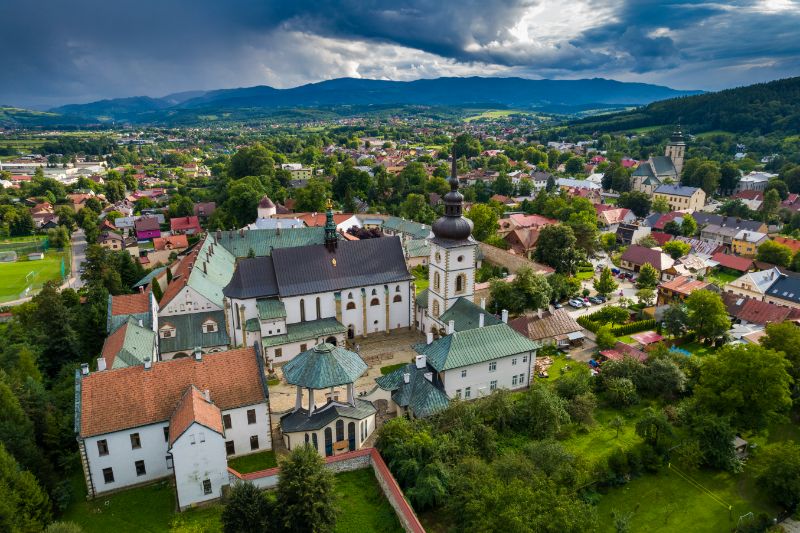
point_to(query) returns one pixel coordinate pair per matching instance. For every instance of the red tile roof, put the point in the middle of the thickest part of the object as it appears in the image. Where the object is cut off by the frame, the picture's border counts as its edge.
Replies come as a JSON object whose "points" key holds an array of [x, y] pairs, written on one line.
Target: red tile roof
{"points": [[749, 195], [194, 407], [129, 304], [661, 237], [314, 220], [173, 242], [763, 313], [669, 217], [114, 400], [113, 344], [179, 277], [622, 350], [146, 224], [639, 255], [734, 262], [184, 223], [684, 285], [794, 244]]}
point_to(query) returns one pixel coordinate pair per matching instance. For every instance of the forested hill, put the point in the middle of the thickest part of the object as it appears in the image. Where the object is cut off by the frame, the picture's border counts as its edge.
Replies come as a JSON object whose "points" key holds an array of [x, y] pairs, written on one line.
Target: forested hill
{"points": [[762, 108]]}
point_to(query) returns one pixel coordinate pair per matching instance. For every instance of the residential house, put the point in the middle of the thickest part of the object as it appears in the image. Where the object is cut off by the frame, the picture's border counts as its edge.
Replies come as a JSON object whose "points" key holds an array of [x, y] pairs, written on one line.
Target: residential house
{"points": [[621, 351], [733, 262], [550, 327], [111, 240], [636, 256], [704, 219], [747, 310], [753, 284], [522, 241], [297, 170], [745, 243], [410, 391], [681, 198], [185, 225], [178, 419], [341, 422], [785, 290], [793, 244], [519, 220], [610, 219], [755, 181], [417, 252], [628, 234], [472, 363], [751, 198], [146, 228], [679, 288], [204, 209]]}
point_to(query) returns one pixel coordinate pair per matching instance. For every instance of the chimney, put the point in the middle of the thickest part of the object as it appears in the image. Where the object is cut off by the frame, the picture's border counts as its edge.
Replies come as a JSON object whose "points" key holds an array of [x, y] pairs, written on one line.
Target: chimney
{"points": [[278, 228], [406, 377], [241, 233], [198, 354], [539, 313], [85, 369], [483, 303], [101, 364], [421, 361], [141, 324], [429, 337], [480, 320], [147, 363], [205, 270], [207, 395], [429, 376], [219, 234], [451, 327], [505, 316]]}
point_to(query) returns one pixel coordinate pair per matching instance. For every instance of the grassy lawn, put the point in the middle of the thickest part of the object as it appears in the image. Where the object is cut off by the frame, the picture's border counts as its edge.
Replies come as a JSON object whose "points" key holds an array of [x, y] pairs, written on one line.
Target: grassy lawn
{"points": [[627, 339], [721, 278], [601, 439], [13, 275], [362, 505], [585, 275], [254, 462], [667, 502], [151, 508], [699, 349], [421, 285], [388, 369]]}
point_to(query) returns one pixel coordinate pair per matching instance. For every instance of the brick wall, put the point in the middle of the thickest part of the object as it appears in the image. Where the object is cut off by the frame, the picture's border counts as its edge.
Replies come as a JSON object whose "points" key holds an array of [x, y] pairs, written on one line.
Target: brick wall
{"points": [[357, 460]]}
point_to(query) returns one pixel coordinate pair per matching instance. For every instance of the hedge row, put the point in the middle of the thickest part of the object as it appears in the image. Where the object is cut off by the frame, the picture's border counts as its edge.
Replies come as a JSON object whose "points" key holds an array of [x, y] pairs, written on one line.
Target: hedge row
{"points": [[587, 323], [633, 327]]}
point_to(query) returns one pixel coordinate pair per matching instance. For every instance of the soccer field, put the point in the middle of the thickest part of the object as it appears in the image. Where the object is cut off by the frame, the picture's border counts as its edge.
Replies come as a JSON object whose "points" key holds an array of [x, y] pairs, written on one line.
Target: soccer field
{"points": [[13, 275]]}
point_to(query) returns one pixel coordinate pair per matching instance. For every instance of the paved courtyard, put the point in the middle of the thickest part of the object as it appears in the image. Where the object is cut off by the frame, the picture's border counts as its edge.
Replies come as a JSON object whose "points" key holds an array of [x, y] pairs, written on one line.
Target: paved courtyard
{"points": [[377, 351]]}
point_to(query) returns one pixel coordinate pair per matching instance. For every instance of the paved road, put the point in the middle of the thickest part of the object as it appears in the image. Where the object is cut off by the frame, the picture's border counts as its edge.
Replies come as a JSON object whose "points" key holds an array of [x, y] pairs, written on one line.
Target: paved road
{"points": [[78, 257]]}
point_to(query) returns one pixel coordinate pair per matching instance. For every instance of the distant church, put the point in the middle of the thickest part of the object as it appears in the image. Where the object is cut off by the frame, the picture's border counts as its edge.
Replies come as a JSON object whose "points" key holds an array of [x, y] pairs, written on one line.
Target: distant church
{"points": [[661, 170]]}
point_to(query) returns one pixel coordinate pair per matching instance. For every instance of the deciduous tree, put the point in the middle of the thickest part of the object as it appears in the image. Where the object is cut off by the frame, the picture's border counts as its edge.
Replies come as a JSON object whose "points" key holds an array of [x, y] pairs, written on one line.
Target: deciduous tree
{"points": [[706, 315], [648, 277], [604, 284]]}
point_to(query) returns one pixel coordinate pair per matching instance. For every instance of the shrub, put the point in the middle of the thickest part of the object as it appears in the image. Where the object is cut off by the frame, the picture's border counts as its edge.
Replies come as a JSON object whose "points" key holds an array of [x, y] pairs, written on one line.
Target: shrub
{"points": [[634, 327], [621, 392]]}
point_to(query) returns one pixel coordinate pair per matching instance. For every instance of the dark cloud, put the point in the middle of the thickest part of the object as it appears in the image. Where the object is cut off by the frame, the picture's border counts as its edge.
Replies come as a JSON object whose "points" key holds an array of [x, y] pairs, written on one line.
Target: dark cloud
{"points": [[52, 51]]}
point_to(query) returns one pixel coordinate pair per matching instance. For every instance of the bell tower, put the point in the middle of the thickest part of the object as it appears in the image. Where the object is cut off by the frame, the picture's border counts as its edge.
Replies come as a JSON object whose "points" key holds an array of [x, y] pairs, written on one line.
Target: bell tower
{"points": [[676, 149]]}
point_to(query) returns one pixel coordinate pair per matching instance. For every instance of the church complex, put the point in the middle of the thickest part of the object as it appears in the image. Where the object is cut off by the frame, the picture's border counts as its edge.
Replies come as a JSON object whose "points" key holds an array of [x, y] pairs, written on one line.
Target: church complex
{"points": [[181, 384]]}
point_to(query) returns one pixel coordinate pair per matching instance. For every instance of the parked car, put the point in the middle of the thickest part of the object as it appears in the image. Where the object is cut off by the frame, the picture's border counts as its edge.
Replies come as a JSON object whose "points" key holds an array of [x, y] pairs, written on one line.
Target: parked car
{"points": [[602, 298], [577, 304], [615, 271], [595, 300], [557, 305]]}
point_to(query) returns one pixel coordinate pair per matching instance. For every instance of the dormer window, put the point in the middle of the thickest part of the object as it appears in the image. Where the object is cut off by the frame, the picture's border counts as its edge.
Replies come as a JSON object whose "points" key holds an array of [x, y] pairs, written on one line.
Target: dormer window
{"points": [[167, 331], [210, 326]]}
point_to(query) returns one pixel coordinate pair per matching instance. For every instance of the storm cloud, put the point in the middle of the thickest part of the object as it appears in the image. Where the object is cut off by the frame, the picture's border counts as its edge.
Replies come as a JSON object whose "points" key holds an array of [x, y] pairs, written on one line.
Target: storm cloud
{"points": [[53, 52]]}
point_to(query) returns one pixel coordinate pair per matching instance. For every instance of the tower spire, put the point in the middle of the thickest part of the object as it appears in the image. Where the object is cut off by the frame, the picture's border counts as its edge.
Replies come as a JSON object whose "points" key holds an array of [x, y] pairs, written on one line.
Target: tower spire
{"points": [[331, 240], [453, 226]]}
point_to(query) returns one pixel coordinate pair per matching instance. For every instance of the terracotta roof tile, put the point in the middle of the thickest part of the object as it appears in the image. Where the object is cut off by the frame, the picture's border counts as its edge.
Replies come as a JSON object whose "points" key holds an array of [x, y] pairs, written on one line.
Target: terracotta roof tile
{"points": [[114, 400], [194, 407], [172, 242], [742, 264], [179, 278], [130, 304]]}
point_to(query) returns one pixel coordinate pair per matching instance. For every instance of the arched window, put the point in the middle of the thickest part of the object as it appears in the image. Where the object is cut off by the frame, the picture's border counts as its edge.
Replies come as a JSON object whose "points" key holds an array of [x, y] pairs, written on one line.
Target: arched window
{"points": [[374, 302], [374, 292], [397, 298], [349, 295], [306, 438], [314, 441], [236, 310], [302, 310], [328, 442], [461, 282], [351, 436], [397, 289], [351, 305], [319, 308], [436, 281], [339, 430], [436, 309], [438, 257]]}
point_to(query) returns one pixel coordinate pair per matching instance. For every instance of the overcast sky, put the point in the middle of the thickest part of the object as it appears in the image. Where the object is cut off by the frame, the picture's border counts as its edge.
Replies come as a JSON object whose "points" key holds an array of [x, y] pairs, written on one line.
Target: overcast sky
{"points": [[56, 51]]}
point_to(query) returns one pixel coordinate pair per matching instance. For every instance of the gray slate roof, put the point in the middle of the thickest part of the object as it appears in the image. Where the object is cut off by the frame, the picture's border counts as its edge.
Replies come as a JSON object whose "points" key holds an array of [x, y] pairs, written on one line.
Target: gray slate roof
{"points": [[464, 348], [189, 332], [253, 278], [312, 269], [677, 190], [786, 287], [323, 366], [300, 421]]}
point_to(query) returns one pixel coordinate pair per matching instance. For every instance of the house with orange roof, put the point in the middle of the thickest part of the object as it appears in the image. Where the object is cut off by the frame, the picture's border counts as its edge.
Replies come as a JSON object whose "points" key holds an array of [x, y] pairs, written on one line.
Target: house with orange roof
{"points": [[185, 225], [679, 288], [793, 244], [181, 419]]}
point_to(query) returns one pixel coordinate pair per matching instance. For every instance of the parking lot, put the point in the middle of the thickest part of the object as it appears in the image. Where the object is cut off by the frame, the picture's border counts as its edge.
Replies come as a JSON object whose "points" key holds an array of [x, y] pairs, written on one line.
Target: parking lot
{"points": [[626, 289]]}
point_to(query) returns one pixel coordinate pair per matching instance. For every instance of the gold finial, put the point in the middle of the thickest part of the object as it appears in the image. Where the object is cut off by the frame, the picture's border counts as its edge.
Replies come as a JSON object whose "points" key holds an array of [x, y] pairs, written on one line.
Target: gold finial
{"points": [[330, 204], [333, 261]]}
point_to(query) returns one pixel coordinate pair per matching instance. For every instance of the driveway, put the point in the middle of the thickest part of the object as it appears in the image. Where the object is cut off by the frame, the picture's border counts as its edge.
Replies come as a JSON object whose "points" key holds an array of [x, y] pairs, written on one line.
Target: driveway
{"points": [[78, 257]]}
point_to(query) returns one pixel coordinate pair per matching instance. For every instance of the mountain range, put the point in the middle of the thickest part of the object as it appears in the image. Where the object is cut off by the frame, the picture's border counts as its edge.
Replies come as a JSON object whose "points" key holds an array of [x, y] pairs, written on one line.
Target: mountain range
{"points": [[562, 96]]}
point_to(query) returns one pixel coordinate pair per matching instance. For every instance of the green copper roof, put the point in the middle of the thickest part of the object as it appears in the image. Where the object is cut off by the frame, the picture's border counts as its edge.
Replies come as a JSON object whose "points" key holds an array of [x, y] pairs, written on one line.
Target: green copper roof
{"points": [[252, 324], [323, 366], [189, 332], [417, 248], [422, 299], [465, 315], [137, 346], [263, 241], [270, 309], [149, 277], [303, 331], [419, 394], [219, 267], [407, 227], [464, 348]]}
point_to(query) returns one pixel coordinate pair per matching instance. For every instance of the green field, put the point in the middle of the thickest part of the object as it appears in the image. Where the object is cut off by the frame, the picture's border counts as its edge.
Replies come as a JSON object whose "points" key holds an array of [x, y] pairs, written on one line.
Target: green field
{"points": [[673, 500], [13, 275], [497, 113], [254, 462], [151, 508]]}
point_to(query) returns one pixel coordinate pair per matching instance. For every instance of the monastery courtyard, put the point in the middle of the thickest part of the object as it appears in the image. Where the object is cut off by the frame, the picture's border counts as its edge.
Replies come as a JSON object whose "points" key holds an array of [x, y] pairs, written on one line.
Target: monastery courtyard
{"points": [[377, 350]]}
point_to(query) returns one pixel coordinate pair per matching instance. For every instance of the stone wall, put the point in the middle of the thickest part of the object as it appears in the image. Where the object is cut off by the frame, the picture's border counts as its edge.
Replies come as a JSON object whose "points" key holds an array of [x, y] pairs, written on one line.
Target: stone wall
{"points": [[357, 460]]}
